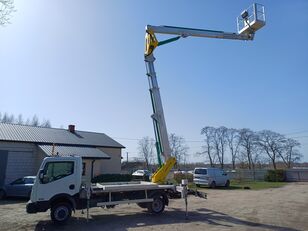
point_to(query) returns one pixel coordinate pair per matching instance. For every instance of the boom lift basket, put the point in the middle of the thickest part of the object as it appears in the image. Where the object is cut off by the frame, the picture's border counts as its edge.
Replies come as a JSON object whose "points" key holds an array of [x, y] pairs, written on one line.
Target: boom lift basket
{"points": [[251, 19]]}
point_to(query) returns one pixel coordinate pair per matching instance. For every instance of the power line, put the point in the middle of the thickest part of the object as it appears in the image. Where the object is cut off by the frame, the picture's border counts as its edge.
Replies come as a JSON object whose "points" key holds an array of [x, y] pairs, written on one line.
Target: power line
{"points": [[118, 138], [295, 137], [136, 139], [299, 132]]}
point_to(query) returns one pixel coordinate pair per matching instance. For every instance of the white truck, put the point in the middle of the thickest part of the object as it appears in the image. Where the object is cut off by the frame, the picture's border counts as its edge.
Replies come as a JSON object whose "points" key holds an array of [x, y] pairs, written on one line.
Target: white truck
{"points": [[59, 186]]}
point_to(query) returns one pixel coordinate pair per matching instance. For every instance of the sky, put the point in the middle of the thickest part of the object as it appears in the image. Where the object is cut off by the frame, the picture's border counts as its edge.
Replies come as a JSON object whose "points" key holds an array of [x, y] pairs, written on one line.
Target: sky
{"points": [[81, 62]]}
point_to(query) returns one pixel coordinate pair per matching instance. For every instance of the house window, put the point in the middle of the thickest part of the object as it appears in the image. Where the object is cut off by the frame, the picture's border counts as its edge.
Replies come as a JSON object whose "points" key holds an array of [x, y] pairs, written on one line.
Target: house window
{"points": [[83, 168]]}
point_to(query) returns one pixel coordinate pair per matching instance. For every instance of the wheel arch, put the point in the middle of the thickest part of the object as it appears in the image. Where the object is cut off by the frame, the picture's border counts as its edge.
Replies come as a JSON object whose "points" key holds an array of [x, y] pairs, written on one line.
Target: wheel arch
{"points": [[63, 197]]}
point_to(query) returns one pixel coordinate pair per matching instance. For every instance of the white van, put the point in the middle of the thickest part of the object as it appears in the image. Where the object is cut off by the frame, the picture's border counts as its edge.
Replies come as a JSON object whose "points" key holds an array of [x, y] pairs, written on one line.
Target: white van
{"points": [[211, 177]]}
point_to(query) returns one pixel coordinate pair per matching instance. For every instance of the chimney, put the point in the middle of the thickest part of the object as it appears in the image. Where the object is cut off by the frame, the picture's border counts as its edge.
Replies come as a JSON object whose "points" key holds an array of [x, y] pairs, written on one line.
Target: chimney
{"points": [[71, 128]]}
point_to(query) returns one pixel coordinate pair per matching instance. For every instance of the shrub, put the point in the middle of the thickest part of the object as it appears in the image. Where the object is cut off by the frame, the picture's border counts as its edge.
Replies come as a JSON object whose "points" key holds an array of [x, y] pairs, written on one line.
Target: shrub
{"points": [[179, 176], [142, 178], [112, 178], [277, 175]]}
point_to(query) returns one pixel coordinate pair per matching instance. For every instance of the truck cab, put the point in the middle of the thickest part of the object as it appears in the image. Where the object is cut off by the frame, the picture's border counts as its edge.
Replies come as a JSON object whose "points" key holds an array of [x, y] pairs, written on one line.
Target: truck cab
{"points": [[58, 180]]}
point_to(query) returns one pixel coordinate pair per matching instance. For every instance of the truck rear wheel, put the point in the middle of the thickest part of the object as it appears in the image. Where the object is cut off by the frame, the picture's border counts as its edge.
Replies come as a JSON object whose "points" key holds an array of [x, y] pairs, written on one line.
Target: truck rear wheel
{"points": [[60, 213], [158, 205]]}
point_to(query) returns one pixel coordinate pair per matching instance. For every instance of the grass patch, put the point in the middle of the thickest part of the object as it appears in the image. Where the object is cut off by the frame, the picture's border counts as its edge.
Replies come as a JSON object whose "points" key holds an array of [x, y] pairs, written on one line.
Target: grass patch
{"points": [[236, 185], [256, 185]]}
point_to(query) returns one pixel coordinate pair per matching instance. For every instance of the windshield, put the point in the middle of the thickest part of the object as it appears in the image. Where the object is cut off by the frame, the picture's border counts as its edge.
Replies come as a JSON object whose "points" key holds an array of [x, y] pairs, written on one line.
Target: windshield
{"points": [[201, 171], [29, 180]]}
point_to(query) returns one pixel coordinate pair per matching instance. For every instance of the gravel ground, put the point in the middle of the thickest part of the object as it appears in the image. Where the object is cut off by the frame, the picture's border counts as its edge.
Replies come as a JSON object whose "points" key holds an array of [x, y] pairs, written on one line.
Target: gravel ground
{"points": [[283, 208]]}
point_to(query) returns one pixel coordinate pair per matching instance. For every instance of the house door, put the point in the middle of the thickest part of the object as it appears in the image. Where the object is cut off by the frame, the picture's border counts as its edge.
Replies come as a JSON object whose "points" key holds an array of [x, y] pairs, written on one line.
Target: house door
{"points": [[3, 164]]}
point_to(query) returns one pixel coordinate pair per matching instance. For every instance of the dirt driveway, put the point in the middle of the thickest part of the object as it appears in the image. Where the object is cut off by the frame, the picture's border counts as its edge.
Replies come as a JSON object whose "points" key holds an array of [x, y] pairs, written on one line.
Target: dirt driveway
{"points": [[283, 208]]}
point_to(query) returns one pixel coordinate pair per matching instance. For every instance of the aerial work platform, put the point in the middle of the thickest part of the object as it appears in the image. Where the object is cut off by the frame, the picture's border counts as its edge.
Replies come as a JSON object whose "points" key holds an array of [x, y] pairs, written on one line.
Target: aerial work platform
{"points": [[251, 19]]}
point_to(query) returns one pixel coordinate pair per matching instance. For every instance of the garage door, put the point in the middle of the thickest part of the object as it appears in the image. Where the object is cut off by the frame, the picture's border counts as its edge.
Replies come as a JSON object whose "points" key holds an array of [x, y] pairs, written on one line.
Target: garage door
{"points": [[20, 164]]}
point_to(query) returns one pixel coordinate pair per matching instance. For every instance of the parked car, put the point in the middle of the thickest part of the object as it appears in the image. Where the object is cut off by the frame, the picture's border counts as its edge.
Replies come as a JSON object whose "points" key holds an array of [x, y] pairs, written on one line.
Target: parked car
{"points": [[182, 172], [211, 177], [18, 188], [142, 175]]}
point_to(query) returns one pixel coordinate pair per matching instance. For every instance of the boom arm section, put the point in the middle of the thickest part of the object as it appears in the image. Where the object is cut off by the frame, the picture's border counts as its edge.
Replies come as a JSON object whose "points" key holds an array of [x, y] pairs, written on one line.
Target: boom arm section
{"points": [[160, 128]]}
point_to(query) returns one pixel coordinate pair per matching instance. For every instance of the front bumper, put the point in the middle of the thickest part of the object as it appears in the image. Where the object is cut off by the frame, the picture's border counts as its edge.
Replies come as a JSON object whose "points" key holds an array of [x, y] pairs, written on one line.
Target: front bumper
{"points": [[35, 207], [201, 181]]}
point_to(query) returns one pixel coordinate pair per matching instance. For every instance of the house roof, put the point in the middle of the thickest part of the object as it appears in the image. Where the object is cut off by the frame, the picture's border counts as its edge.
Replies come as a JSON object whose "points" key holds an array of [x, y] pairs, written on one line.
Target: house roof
{"points": [[84, 152], [42, 135]]}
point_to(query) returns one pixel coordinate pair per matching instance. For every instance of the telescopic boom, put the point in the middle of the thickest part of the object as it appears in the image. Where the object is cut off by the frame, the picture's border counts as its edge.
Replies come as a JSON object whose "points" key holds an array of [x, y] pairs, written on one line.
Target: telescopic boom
{"points": [[250, 20]]}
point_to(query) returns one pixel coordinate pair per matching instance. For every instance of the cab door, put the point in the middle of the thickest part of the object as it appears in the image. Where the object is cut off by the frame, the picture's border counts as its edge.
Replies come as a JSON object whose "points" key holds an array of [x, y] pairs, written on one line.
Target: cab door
{"points": [[219, 177], [57, 177]]}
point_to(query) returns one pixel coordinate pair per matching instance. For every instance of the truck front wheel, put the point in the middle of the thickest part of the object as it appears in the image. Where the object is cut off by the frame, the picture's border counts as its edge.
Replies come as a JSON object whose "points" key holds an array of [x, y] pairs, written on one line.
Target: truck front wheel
{"points": [[60, 213]]}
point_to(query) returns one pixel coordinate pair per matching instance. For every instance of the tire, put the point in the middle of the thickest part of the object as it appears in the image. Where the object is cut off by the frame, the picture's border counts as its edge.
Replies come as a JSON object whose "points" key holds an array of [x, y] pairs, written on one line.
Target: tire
{"points": [[158, 205], [60, 213], [213, 184], [227, 184], [2, 194]]}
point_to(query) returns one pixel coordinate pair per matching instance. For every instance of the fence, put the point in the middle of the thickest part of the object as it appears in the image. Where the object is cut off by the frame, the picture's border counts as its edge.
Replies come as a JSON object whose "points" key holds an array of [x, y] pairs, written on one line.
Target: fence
{"points": [[247, 174], [259, 174], [297, 175]]}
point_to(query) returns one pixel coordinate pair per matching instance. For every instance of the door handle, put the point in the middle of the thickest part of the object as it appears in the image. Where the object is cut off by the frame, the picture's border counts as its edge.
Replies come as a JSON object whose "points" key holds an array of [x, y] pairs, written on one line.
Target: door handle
{"points": [[72, 186]]}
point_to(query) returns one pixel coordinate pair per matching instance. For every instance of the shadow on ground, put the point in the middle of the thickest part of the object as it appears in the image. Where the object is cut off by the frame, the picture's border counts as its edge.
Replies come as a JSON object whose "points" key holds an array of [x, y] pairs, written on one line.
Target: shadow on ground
{"points": [[124, 221], [13, 200], [221, 188]]}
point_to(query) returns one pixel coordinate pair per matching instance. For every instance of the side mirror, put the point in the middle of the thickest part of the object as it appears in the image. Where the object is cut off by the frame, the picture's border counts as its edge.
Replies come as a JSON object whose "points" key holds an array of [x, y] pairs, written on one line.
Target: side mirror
{"points": [[41, 175]]}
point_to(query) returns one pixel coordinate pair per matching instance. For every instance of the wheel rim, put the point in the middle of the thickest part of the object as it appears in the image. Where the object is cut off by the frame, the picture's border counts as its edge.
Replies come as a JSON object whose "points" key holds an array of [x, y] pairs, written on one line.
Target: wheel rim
{"points": [[61, 213], [157, 205]]}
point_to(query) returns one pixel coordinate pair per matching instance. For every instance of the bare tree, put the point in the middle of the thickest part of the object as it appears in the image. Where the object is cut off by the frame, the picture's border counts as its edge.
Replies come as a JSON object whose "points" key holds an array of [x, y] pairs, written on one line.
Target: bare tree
{"points": [[6, 9], [220, 141], [289, 152], [248, 145], [178, 149], [208, 132], [20, 119], [45, 124], [7, 118], [146, 149], [35, 121], [27, 122], [234, 140], [272, 144]]}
